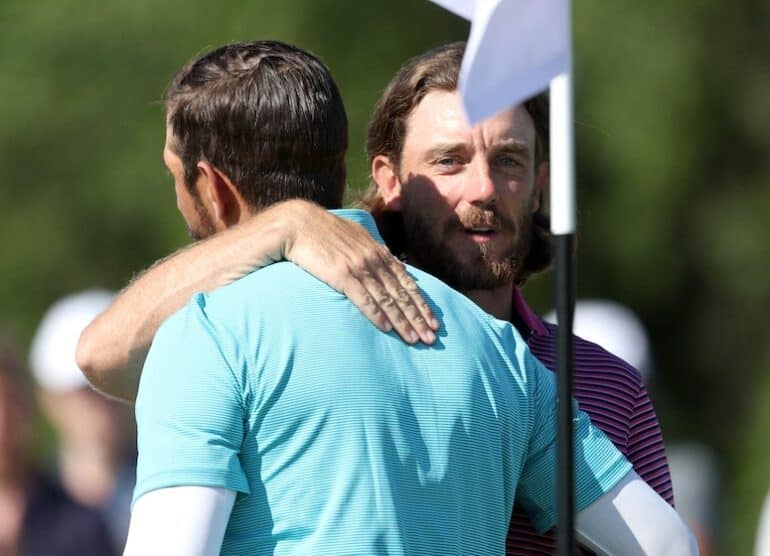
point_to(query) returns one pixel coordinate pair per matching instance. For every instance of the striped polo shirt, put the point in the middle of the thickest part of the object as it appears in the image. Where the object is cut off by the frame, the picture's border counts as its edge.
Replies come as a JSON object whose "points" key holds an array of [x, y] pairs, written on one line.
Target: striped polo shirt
{"points": [[614, 396]]}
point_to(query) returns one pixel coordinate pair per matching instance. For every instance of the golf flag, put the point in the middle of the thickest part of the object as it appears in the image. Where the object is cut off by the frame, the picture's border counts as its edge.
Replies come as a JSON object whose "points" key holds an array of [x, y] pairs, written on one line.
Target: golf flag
{"points": [[514, 49], [463, 8]]}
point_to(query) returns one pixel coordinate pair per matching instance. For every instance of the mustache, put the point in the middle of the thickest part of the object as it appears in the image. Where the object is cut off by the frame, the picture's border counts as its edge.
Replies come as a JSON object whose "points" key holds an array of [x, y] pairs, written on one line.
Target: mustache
{"points": [[476, 217]]}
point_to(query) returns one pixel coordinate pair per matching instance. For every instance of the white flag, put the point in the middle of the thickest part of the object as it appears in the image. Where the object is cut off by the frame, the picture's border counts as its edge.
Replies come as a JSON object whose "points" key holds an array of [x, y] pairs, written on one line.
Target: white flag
{"points": [[463, 8], [514, 50]]}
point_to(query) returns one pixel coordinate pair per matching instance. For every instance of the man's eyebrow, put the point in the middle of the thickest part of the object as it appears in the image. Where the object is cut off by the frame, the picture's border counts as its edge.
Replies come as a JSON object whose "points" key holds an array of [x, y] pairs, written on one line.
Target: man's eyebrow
{"points": [[444, 148], [513, 147]]}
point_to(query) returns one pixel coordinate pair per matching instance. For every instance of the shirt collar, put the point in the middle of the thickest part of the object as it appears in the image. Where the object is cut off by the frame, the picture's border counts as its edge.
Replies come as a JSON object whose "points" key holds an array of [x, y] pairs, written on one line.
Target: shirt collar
{"points": [[361, 217], [528, 316]]}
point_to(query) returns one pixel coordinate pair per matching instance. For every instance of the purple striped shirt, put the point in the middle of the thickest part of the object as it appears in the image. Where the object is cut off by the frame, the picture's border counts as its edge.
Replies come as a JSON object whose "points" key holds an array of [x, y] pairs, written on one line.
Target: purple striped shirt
{"points": [[613, 395]]}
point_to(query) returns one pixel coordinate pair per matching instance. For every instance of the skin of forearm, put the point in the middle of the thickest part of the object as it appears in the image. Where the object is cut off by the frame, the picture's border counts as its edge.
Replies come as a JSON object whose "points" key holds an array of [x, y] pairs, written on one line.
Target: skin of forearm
{"points": [[113, 347]]}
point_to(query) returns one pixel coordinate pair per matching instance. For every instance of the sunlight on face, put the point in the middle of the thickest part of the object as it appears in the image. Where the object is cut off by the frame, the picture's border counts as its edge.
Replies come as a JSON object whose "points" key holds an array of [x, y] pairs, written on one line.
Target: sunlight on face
{"points": [[468, 194]]}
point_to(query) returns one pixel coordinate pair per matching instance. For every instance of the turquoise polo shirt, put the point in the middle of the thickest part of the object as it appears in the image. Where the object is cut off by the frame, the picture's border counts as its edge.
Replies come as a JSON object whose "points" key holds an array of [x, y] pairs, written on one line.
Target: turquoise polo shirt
{"points": [[341, 439]]}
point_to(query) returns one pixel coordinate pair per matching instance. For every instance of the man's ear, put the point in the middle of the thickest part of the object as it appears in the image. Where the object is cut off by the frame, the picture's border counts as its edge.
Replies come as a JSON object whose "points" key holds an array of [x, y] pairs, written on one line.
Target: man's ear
{"points": [[542, 179], [220, 195], [385, 176]]}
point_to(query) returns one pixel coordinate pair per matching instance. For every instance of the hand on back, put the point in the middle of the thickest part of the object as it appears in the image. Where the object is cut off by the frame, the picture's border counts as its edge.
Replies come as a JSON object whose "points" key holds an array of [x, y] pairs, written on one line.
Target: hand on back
{"points": [[345, 256]]}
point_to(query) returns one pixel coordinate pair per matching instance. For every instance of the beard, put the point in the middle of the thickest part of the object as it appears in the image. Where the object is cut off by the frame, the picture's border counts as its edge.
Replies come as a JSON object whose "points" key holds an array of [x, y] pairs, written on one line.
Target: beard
{"points": [[480, 266], [205, 226]]}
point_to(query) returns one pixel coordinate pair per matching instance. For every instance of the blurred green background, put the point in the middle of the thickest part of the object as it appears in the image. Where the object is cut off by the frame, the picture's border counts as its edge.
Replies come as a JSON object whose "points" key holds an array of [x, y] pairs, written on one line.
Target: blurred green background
{"points": [[673, 136]]}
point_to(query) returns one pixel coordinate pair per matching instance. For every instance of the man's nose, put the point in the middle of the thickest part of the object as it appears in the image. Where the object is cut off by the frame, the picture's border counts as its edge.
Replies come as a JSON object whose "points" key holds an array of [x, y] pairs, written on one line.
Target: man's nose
{"points": [[480, 188]]}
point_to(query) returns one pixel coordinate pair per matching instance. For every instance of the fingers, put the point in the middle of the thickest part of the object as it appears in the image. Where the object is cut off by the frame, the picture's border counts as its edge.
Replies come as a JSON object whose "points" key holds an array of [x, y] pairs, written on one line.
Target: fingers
{"points": [[355, 291], [409, 306], [395, 296], [378, 284], [346, 257]]}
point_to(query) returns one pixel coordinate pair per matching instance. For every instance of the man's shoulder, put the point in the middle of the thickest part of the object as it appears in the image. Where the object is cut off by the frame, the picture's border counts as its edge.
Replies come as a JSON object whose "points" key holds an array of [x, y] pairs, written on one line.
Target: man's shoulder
{"points": [[590, 359], [284, 292], [440, 295], [223, 311], [277, 283], [275, 274]]}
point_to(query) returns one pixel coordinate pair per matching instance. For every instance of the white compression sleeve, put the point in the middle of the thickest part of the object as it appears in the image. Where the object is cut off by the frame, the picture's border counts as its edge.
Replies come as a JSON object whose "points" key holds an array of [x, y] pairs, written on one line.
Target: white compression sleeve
{"points": [[762, 546], [179, 521], [632, 519]]}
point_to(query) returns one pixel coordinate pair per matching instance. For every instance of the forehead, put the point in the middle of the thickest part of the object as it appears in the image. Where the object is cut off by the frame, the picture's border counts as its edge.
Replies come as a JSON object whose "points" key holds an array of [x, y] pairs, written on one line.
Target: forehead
{"points": [[440, 118]]}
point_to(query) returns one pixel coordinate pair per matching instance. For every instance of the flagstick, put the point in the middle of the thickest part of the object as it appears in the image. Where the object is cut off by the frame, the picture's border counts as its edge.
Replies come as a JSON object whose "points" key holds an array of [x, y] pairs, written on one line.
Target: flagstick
{"points": [[563, 230]]}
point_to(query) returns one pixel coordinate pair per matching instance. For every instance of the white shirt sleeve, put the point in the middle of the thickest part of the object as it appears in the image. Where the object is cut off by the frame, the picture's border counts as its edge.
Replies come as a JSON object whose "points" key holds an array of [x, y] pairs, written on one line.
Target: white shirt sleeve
{"points": [[762, 547], [632, 519], [179, 521]]}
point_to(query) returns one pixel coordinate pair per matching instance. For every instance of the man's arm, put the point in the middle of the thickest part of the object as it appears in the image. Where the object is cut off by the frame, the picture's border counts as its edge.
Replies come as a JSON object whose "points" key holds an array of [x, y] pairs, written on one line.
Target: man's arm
{"points": [[341, 253], [645, 448], [762, 545], [629, 516], [191, 422], [179, 521], [633, 519]]}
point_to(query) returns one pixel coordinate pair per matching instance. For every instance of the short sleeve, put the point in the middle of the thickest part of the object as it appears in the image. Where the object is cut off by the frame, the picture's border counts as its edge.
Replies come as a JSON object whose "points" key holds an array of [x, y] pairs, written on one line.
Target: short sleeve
{"points": [[599, 466], [189, 409], [645, 449]]}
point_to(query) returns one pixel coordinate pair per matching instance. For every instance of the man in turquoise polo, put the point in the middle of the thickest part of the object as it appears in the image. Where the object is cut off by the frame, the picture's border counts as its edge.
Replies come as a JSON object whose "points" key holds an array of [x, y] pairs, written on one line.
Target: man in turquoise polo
{"points": [[274, 419]]}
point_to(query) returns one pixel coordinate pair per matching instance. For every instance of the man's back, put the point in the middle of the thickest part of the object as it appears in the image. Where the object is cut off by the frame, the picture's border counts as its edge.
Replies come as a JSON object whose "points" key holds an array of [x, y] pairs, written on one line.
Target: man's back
{"points": [[344, 419], [342, 439]]}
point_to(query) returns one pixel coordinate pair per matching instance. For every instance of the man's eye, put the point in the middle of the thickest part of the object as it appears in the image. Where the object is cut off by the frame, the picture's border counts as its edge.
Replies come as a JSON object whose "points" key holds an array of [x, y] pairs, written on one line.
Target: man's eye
{"points": [[509, 162], [446, 161]]}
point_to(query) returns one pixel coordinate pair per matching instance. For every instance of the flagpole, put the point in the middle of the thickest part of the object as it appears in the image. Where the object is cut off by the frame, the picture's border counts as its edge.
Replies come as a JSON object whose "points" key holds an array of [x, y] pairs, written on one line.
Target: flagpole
{"points": [[563, 216], [539, 36]]}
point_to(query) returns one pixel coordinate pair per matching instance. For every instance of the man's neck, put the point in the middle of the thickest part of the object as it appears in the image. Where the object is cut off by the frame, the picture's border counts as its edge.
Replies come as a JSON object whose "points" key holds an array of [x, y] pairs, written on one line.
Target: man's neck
{"points": [[498, 302]]}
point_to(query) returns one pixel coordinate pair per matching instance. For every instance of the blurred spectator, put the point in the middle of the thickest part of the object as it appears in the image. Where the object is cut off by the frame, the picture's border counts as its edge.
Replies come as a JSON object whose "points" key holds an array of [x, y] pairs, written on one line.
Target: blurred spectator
{"points": [[96, 450], [37, 517]]}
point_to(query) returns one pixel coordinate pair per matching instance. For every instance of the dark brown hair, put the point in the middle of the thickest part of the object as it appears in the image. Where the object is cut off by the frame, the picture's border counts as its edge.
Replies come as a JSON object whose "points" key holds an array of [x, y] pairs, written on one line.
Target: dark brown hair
{"points": [[268, 115], [438, 70]]}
